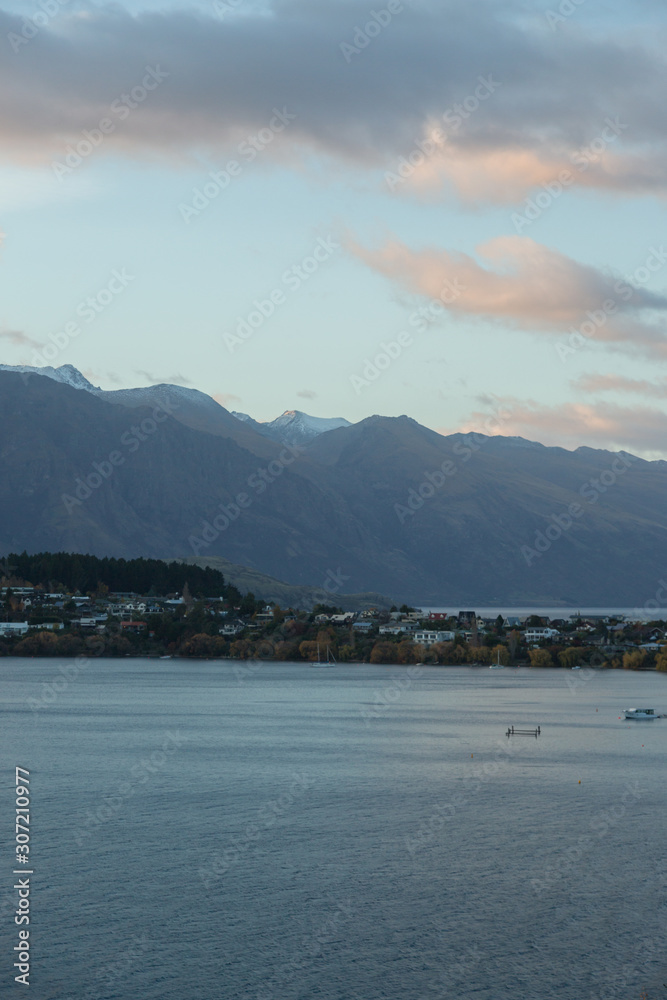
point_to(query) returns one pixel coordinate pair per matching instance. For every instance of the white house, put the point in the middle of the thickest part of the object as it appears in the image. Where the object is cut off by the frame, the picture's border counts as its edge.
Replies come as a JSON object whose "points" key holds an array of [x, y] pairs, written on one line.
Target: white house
{"points": [[13, 628], [428, 638], [539, 634]]}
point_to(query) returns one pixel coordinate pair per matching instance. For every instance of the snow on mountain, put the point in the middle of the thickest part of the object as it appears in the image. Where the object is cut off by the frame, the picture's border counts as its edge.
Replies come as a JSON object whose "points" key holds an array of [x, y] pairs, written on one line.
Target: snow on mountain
{"points": [[66, 373], [194, 408], [296, 427], [293, 426]]}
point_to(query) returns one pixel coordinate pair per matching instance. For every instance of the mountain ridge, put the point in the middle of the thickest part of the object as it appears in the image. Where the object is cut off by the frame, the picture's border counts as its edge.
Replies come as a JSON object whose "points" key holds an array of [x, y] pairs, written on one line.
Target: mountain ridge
{"points": [[383, 505]]}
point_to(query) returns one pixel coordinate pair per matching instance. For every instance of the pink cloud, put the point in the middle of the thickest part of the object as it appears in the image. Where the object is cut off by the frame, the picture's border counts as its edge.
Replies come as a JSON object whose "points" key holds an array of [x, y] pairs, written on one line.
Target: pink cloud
{"points": [[620, 383], [226, 399], [573, 425], [525, 285]]}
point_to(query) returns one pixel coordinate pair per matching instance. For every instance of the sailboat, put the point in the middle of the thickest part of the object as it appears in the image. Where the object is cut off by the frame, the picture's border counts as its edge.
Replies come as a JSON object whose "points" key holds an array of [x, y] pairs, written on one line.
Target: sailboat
{"points": [[497, 665], [330, 660]]}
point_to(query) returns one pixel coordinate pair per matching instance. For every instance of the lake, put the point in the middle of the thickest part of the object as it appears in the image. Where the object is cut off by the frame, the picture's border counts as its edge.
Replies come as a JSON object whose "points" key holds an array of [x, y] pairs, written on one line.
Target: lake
{"points": [[217, 830]]}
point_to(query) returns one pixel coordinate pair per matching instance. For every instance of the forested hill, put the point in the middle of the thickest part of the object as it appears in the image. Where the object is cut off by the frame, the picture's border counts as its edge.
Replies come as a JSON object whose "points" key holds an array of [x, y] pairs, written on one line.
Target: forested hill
{"points": [[90, 574]]}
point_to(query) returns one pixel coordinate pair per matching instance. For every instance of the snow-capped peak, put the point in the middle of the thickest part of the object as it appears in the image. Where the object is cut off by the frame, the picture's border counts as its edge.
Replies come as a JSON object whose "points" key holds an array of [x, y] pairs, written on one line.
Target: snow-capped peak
{"points": [[65, 373], [295, 425]]}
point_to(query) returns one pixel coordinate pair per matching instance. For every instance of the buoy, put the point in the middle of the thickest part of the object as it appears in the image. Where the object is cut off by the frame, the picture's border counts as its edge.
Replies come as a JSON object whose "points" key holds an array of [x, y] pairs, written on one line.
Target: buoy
{"points": [[579, 780], [472, 755]]}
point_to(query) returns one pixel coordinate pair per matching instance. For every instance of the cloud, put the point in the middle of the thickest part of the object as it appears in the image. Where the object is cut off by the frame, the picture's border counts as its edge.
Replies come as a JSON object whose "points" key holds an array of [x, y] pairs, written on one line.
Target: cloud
{"points": [[20, 338], [307, 394], [226, 399], [572, 425], [169, 380], [620, 383], [555, 89], [523, 285]]}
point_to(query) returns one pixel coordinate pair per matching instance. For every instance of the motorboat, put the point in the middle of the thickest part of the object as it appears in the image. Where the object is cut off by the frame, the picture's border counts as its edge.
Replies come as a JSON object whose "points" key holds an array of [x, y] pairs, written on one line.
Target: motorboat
{"points": [[641, 714]]}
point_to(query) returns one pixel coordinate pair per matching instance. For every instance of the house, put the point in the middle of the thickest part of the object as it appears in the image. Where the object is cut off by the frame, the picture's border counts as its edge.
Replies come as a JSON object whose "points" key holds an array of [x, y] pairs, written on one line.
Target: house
{"points": [[87, 622], [363, 626], [390, 630], [467, 617], [231, 628], [135, 627], [428, 638], [345, 619], [438, 616], [540, 634], [13, 628], [512, 621], [51, 626]]}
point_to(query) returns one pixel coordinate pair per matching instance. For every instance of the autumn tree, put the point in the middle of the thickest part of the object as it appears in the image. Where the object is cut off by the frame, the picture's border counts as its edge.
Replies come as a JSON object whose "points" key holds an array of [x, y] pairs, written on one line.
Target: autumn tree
{"points": [[540, 658], [634, 659], [569, 657], [383, 652]]}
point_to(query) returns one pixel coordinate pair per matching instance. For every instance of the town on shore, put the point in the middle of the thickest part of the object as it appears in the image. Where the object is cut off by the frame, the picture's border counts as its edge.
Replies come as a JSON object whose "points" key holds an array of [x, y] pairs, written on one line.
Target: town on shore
{"points": [[37, 622]]}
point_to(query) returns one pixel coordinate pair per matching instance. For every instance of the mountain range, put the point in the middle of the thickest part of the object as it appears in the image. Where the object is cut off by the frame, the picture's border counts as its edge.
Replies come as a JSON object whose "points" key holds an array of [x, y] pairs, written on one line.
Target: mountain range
{"points": [[383, 505]]}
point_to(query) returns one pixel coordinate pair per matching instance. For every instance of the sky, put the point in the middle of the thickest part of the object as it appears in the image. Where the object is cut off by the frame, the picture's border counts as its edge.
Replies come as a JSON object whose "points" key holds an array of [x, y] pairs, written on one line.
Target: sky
{"points": [[450, 210]]}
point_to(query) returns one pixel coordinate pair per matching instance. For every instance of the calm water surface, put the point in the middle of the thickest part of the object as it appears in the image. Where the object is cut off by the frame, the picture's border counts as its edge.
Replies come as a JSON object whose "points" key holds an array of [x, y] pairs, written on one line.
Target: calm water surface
{"points": [[202, 830]]}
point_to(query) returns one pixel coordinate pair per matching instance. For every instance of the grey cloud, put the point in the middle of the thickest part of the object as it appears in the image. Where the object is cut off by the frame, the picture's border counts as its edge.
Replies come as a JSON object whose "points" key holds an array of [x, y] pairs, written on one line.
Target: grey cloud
{"points": [[225, 78]]}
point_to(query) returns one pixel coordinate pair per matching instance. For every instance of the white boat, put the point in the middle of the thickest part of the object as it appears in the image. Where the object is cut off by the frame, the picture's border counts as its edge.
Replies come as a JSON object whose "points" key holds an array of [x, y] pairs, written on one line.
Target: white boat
{"points": [[330, 660], [647, 714], [575, 668], [497, 665]]}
